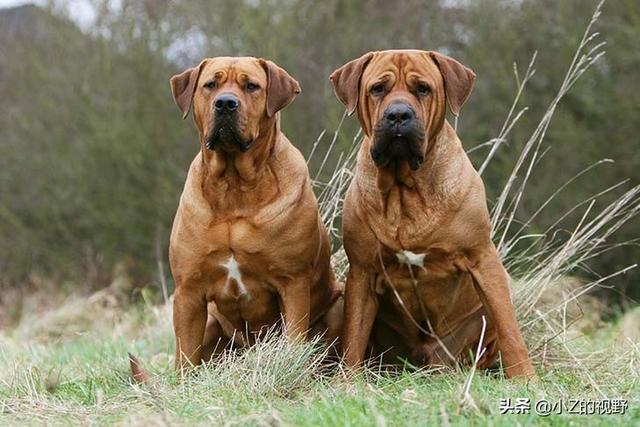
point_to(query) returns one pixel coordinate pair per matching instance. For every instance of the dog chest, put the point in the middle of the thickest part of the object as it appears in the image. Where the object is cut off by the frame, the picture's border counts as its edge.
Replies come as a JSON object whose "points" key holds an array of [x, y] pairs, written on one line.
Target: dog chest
{"points": [[234, 284], [418, 286], [242, 294]]}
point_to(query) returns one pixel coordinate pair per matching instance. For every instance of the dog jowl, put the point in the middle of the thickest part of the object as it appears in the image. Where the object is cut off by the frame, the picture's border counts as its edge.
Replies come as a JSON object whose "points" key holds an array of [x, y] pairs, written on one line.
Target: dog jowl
{"points": [[225, 131], [225, 134], [398, 137]]}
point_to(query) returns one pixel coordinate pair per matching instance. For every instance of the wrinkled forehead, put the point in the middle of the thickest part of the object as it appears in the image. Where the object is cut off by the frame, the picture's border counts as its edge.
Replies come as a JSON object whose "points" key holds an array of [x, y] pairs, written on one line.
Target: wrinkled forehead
{"points": [[238, 69], [401, 63]]}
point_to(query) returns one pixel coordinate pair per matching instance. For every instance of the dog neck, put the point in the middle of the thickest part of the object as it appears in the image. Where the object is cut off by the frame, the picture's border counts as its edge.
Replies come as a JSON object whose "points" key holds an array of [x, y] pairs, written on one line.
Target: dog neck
{"points": [[399, 191], [239, 172]]}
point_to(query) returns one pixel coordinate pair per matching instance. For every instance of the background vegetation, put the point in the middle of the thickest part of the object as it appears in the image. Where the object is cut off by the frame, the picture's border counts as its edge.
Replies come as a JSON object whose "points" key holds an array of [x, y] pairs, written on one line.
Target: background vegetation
{"points": [[93, 153]]}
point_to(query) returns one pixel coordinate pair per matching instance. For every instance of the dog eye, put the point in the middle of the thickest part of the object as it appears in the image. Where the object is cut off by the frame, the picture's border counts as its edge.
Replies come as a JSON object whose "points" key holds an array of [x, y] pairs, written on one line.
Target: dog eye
{"points": [[252, 87], [422, 89], [378, 89], [211, 85]]}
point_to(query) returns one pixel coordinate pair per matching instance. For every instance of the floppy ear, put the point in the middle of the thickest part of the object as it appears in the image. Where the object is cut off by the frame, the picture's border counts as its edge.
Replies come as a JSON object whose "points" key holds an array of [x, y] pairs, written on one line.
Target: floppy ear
{"points": [[346, 81], [183, 86], [458, 80], [281, 87]]}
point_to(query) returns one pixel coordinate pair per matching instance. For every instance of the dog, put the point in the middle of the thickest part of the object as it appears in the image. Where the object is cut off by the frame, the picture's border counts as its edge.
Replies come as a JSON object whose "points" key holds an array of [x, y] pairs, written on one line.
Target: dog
{"points": [[424, 274], [248, 250]]}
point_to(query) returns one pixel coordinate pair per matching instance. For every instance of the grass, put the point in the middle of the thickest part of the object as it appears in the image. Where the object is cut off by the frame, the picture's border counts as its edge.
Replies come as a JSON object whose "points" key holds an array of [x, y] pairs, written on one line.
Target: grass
{"points": [[84, 379], [69, 365]]}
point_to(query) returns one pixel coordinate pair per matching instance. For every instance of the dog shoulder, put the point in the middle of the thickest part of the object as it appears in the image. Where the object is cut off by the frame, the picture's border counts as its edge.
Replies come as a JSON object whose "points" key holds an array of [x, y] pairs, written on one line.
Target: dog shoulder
{"points": [[359, 240], [289, 157]]}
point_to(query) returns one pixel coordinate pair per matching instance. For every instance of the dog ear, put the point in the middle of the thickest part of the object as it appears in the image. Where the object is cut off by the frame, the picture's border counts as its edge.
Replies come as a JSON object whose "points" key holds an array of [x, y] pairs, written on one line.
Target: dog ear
{"points": [[458, 80], [183, 86], [346, 81], [281, 87]]}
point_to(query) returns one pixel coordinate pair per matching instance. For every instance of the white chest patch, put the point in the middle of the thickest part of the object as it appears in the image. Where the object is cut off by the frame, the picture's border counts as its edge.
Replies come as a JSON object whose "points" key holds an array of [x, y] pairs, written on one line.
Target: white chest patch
{"points": [[410, 258], [233, 272]]}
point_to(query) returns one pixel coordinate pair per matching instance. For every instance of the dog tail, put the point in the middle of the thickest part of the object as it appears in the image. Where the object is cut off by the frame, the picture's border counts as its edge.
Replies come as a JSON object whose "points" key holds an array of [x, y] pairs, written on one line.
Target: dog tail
{"points": [[138, 373]]}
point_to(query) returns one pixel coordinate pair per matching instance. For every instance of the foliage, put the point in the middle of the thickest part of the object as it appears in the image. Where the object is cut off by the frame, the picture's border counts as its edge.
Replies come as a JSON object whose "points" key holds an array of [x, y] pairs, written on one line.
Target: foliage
{"points": [[93, 153]]}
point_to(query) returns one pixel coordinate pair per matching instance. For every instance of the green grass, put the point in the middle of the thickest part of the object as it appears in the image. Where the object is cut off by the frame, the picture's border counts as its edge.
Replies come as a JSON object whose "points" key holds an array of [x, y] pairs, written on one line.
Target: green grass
{"points": [[83, 378]]}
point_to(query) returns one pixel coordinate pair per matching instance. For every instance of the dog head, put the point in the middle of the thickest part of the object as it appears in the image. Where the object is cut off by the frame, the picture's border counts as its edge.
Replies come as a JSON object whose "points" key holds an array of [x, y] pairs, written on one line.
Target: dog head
{"points": [[234, 100], [401, 98]]}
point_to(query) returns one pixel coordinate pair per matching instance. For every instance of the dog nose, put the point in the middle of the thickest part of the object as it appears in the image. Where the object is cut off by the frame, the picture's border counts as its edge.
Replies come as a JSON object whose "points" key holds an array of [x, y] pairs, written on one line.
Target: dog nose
{"points": [[399, 113], [226, 103]]}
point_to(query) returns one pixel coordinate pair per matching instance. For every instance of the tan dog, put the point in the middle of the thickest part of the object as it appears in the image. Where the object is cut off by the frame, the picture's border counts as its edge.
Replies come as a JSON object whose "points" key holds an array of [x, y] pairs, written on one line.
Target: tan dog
{"points": [[247, 246], [423, 268]]}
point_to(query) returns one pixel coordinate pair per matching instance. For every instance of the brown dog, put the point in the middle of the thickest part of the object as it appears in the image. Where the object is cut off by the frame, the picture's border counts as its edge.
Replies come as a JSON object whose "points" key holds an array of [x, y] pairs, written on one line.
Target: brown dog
{"points": [[247, 246], [423, 269]]}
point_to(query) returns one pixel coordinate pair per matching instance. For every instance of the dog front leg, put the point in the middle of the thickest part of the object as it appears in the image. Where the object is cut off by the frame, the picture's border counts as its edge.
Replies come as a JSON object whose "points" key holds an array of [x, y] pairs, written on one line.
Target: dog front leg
{"points": [[295, 298], [189, 321], [361, 306], [492, 284]]}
